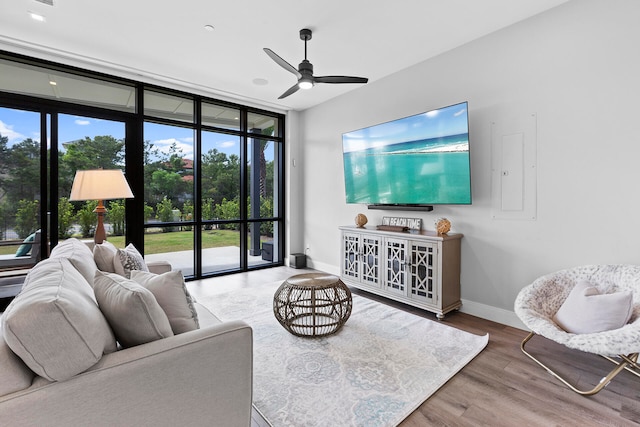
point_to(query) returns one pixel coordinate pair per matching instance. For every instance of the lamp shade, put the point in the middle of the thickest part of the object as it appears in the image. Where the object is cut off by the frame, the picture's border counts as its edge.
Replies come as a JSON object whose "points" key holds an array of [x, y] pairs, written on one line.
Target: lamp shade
{"points": [[100, 184]]}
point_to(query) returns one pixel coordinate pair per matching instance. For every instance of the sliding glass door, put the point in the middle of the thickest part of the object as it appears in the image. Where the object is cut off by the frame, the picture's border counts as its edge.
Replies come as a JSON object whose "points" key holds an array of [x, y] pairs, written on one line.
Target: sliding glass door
{"points": [[36, 177], [220, 207]]}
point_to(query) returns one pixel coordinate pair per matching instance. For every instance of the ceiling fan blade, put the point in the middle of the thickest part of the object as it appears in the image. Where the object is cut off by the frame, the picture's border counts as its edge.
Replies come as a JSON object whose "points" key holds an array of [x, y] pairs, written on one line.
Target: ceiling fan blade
{"points": [[340, 79], [291, 90], [281, 62]]}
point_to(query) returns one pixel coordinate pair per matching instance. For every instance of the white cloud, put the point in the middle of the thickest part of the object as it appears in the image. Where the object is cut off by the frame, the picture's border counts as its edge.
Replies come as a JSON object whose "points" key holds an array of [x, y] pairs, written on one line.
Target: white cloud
{"points": [[187, 139], [227, 144], [82, 122], [165, 144], [7, 130]]}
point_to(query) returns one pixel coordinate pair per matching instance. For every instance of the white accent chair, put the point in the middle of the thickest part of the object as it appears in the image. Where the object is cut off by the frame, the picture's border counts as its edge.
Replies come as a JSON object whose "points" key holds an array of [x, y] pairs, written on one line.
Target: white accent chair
{"points": [[538, 302]]}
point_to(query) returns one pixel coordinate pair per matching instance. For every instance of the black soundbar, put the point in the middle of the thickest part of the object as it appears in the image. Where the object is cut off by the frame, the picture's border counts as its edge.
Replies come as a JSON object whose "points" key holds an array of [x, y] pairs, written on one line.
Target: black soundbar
{"points": [[400, 207]]}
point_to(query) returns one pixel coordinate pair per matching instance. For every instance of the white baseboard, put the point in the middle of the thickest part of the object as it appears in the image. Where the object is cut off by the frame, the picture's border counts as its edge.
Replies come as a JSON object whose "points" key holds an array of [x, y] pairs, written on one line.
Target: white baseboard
{"points": [[473, 308], [494, 314], [321, 266]]}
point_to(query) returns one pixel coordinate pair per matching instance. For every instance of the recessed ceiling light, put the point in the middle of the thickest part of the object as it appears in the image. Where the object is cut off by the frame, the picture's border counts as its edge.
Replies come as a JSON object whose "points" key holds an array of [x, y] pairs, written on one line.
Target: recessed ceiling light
{"points": [[209, 27], [52, 83], [260, 82], [36, 17]]}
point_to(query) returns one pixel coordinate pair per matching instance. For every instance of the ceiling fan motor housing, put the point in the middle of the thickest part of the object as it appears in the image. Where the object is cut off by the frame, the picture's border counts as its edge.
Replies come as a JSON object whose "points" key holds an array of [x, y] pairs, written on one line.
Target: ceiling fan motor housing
{"points": [[305, 68], [305, 34]]}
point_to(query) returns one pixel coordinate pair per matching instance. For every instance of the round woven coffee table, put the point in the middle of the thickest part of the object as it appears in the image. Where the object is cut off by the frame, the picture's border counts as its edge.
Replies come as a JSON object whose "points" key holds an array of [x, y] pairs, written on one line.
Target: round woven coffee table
{"points": [[312, 304]]}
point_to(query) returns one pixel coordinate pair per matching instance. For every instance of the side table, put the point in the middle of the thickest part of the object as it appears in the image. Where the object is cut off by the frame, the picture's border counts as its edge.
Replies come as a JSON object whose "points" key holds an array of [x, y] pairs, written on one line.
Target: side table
{"points": [[312, 304]]}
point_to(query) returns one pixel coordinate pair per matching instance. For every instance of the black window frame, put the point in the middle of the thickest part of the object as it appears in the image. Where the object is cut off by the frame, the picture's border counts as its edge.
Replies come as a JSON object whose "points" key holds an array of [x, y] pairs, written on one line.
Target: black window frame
{"points": [[134, 159]]}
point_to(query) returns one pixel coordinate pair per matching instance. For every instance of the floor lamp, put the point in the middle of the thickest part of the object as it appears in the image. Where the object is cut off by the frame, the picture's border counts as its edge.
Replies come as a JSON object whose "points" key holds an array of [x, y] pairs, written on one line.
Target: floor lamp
{"points": [[100, 185]]}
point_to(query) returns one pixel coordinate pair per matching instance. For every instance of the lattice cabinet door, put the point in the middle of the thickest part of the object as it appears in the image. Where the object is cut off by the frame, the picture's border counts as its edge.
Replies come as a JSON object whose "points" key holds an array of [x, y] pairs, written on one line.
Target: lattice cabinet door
{"points": [[370, 257], [395, 251], [421, 268], [350, 255], [423, 278]]}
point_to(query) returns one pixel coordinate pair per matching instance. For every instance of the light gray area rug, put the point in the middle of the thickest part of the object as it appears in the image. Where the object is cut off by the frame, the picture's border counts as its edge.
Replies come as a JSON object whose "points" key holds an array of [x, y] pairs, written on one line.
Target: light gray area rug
{"points": [[381, 366]]}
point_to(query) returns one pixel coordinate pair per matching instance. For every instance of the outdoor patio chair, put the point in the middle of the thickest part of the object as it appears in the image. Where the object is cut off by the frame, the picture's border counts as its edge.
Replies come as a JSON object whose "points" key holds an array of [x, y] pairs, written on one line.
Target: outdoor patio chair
{"points": [[30, 259]]}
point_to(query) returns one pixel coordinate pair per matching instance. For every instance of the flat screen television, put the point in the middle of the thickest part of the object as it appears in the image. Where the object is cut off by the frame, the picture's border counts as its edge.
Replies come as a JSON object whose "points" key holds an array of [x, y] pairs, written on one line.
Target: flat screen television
{"points": [[420, 160]]}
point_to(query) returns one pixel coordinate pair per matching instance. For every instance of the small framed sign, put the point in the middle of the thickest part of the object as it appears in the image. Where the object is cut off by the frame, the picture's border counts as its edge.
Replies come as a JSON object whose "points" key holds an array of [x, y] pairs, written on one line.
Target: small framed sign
{"points": [[410, 223]]}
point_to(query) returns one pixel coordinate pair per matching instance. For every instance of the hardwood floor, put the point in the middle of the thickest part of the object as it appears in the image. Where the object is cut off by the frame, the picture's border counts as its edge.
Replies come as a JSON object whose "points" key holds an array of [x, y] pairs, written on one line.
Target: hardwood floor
{"points": [[501, 386]]}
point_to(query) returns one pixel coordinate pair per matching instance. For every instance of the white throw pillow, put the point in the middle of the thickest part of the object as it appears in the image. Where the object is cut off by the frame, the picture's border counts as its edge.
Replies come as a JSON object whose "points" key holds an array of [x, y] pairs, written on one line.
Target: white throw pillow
{"points": [[132, 311], [103, 255], [128, 259], [54, 325], [587, 311], [173, 296]]}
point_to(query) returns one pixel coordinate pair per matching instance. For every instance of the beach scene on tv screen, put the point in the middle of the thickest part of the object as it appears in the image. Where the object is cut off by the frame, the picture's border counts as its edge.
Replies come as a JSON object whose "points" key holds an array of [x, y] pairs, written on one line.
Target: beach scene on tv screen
{"points": [[421, 159]]}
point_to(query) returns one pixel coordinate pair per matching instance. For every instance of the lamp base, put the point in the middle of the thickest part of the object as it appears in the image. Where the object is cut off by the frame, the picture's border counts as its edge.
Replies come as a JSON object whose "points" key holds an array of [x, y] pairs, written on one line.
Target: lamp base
{"points": [[100, 235]]}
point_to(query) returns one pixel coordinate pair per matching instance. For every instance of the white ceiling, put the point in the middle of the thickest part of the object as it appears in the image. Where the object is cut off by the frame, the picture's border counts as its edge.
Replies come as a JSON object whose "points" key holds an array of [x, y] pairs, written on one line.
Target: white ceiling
{"points": [[166, 42]]}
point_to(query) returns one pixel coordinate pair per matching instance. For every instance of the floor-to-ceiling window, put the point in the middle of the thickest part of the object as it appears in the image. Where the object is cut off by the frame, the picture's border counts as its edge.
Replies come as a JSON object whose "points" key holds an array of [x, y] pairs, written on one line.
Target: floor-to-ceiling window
{"points": [[206, 175], [209, 184], [20, 179], [86, 143]]}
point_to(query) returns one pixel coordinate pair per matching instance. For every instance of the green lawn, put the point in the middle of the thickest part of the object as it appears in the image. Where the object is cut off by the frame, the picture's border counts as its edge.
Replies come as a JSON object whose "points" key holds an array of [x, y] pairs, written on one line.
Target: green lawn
{"points": [[157, 243], [168, 242]]}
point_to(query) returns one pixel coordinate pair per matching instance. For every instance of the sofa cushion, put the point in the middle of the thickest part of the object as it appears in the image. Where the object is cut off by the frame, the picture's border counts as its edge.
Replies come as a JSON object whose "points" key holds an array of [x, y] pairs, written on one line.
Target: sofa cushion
{"points": [[103, 254], [15, 374], [132, 311], [587, 311], [171, 293], [128, 259], [54, 325], [79, 255]]}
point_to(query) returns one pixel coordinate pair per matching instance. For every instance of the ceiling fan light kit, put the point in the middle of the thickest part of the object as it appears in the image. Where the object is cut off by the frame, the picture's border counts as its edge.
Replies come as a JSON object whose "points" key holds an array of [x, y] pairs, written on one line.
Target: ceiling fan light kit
{"points": [[304, 72]]}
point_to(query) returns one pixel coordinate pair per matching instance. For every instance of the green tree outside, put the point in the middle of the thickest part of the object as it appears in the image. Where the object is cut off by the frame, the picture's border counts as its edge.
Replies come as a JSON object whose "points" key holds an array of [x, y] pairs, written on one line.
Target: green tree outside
{"points": [[65, 218], [27, 217], [115, 216], [87, 218]]}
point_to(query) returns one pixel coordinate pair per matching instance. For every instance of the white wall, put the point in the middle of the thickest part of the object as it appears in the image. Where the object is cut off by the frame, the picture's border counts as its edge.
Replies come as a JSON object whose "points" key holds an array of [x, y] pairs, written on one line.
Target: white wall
{"points": [[577, 68]]}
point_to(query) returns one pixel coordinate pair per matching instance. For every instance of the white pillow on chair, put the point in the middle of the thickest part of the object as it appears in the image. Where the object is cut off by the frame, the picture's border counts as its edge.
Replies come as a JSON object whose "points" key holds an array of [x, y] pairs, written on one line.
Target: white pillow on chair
{"points": [[587, 311]]}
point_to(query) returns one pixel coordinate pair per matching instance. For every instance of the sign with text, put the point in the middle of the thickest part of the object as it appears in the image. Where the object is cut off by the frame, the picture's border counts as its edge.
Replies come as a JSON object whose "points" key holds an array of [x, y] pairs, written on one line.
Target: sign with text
{"points": [[411, 223]]}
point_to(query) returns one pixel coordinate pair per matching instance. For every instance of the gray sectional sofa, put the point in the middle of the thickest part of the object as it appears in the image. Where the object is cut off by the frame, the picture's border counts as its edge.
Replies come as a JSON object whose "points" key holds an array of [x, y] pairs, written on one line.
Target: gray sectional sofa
{"points": [[62, 361]]}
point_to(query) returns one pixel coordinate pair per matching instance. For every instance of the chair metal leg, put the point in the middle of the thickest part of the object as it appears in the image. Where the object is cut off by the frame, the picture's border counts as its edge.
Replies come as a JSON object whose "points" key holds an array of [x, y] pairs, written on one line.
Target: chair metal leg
{"points": [[629, 362]]}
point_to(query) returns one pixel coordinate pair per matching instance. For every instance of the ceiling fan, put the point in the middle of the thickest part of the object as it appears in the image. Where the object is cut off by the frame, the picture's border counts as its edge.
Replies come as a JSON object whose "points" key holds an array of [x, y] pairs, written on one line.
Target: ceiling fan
{"points": [[304, 73]]}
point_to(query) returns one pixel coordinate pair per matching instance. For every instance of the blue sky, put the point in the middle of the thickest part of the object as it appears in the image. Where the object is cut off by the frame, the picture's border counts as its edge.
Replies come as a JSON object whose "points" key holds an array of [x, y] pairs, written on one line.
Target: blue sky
{"points": [[19, 125], [445, 121]]}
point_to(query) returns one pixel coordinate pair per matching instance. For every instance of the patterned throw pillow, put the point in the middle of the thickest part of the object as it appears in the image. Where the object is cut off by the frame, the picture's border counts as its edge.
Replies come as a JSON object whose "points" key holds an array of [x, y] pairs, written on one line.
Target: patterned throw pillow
{"points": [[128, 259]]}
